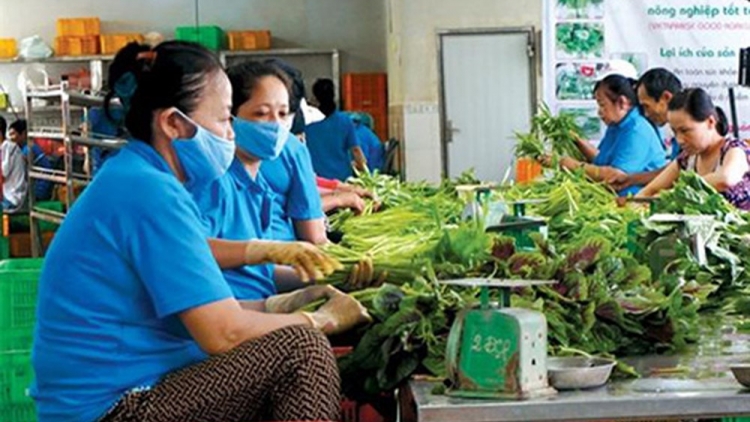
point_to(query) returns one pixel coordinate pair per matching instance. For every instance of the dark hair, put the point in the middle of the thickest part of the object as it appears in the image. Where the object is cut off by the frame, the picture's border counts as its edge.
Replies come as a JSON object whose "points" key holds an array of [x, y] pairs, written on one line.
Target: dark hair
{"points": [[3, 127], [297, 93], [296, 83], [325, 93], [244, 78], [697, 103], [19, 126], [658, 81], [173, 74], [616, 86]]}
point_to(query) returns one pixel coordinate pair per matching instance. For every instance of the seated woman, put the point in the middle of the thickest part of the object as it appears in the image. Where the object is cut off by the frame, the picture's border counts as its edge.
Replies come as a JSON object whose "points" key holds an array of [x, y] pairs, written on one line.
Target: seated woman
{"points": [[630, 143], [261, 93], [333, 142], [701, 129], [131, 299]]}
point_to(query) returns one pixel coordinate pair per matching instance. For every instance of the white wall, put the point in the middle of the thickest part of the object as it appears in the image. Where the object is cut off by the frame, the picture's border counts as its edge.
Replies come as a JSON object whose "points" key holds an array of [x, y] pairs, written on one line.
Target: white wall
{"points": [[413, 66], [356, 27]]}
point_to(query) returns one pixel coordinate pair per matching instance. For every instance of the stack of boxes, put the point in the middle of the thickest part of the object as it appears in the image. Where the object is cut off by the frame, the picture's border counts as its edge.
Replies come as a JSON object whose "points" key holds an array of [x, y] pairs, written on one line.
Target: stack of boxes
{"points": [[77, 36]]}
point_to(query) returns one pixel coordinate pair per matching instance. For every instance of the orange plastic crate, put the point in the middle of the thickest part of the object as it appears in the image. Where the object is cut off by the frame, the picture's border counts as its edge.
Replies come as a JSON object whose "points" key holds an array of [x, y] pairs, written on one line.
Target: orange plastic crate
{"points": [[527, 170], [77, 46], [78, 27], [112, 43], [249, 40], [365, 91], [8, 48]]}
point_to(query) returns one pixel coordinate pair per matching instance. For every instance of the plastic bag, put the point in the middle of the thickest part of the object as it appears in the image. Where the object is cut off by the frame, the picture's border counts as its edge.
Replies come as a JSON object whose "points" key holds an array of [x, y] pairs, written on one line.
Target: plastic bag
{"points": [[34, 47]]}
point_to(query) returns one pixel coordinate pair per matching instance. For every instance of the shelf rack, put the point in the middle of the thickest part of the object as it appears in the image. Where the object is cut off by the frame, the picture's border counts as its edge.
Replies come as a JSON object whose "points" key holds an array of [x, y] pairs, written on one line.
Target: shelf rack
{"points": [[69, 135]]}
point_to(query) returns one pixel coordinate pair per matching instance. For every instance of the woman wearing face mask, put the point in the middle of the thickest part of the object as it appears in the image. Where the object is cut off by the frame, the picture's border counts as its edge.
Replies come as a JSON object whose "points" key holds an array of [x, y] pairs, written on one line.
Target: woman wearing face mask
{"points": [[261, 95], [131, 300], [630, 144], [701, 130]]}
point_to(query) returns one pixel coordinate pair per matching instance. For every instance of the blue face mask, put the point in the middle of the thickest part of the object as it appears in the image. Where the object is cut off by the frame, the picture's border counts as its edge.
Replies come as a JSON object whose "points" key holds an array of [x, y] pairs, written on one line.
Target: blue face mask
{"points": [[263, 140], [204, 157]]}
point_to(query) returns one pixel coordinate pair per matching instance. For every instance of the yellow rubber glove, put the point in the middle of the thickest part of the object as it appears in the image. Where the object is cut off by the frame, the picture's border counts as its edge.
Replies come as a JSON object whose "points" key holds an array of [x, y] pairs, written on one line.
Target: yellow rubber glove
{"points": [[308, 260], [341, 313], [290, 302]]}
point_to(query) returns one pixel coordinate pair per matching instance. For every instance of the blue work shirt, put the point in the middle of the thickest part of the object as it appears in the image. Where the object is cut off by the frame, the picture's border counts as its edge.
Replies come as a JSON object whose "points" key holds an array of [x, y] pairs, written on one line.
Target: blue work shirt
{"points": [[130, 256], [632, 146], [42, 188], [372, 148], [296, 197], [236, 207], [330, 142]]}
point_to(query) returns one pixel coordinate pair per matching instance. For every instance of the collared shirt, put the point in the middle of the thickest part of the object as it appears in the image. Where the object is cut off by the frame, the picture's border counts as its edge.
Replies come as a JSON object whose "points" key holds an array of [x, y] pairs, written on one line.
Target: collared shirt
{"points": [[330, 142], [296, 197], [632, 146], [236, 207], [131, 255]]}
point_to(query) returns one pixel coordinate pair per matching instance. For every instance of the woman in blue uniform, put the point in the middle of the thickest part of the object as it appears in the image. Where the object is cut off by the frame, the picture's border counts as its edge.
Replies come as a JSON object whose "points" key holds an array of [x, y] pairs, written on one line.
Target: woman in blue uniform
{"points": [[131, 299], [333, 142], [261, 94], [630, 143]]}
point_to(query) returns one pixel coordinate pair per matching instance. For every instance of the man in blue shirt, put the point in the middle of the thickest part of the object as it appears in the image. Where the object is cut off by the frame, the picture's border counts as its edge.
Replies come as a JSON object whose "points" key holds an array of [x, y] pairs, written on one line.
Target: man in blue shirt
{"points": [[17, 133]]}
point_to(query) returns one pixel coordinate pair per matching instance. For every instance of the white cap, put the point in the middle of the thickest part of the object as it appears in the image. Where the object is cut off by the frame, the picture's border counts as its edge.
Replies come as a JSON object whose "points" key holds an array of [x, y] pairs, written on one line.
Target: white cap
{"points": [[619, 67]]}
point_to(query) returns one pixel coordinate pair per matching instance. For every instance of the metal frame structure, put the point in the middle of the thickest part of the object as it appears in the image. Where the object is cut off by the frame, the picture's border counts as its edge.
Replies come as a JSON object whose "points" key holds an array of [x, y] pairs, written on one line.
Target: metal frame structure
{"points": [[530, 31], [286, 52], [66, 134]]}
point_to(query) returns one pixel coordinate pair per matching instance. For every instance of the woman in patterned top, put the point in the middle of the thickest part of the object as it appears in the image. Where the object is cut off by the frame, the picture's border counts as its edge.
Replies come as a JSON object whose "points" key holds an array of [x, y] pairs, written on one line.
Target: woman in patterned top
{"points": [[701, 130]]}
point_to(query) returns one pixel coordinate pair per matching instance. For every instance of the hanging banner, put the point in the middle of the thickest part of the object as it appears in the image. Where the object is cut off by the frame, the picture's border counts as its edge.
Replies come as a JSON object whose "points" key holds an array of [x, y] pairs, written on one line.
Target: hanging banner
{"points": [[699, 41]]}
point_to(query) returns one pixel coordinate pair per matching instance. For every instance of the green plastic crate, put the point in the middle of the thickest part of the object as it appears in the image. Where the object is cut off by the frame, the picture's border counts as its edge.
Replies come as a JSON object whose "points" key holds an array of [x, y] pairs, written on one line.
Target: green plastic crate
{"points": [[20, 222], [18, 413], [211, 37], [18, 295], [4, 249], [16, 376], [742, 419]]}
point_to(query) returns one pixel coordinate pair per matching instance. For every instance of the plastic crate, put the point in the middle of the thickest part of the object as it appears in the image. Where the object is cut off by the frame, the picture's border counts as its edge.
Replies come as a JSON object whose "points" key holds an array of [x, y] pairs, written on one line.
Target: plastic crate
{"points": [[78, 27], [20, 223], [741, 419], [112, 43], [18, 295], [16, 375], [249, 40], [365, 91], [18, 413], [77, 46], [4, 248], [211, 37], [8, 48], [527, 170]]}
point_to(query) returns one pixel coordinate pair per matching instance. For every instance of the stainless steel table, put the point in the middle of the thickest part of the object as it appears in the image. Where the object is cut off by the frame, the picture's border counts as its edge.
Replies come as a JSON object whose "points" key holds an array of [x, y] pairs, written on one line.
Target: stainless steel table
{"points": [[706, 389]]}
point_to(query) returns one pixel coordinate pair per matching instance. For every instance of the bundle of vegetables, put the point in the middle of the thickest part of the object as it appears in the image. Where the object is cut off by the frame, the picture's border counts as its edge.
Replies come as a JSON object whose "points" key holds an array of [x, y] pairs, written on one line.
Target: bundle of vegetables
{"points": [[557, 134], [604, 302], [575, 208], [725, 276], [408, 335]]}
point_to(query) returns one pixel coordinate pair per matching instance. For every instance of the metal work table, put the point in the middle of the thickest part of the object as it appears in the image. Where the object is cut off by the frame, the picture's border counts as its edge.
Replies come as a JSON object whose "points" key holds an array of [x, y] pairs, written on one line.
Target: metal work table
{"points": [[706, 389]]}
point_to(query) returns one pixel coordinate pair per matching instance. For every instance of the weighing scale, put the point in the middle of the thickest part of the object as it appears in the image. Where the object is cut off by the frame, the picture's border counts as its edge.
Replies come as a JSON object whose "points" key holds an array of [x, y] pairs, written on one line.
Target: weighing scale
{"points": [[496, 216], [495, 351]]}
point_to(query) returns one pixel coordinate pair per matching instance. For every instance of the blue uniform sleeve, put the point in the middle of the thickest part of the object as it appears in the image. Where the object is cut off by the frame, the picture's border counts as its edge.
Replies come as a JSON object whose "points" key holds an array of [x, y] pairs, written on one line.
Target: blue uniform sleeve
{"points": [[350, 140], [171, 254], [304, 199]]}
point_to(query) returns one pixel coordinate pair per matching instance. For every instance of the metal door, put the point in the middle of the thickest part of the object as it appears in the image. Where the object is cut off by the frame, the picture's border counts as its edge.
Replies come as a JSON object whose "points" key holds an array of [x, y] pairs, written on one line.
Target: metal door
{"points": [[488, 93]]}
